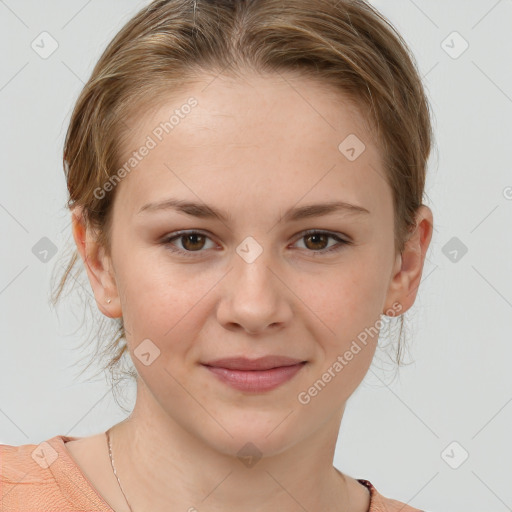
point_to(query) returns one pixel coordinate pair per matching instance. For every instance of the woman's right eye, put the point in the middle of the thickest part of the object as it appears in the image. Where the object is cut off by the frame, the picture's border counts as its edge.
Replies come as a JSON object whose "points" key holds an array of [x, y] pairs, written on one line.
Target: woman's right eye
{"points": [[188, 239]]}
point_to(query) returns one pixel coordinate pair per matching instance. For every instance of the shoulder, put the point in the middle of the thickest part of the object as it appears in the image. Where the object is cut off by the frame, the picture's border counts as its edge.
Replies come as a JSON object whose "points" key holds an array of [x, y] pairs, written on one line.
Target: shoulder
{"points": [[380, 503], [24, 476], [40, 477]]}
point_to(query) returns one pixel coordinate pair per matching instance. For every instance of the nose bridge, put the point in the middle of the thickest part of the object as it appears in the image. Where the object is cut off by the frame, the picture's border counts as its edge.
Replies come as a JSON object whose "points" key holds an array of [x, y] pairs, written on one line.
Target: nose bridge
{"points": [[252, 262]]}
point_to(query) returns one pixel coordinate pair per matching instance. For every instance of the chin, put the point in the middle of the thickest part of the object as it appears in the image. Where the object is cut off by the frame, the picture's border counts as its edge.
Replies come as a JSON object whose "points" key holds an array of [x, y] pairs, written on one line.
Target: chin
{"points": [[250, 437]]}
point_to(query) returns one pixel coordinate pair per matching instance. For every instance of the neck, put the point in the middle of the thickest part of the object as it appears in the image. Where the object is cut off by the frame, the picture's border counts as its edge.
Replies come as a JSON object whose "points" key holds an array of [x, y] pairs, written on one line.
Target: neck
{"points": [[162, 466]]}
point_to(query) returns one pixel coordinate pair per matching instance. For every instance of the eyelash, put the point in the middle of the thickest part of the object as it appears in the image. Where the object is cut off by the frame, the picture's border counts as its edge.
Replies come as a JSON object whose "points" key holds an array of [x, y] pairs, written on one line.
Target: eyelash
{"points": [[191, 254]]}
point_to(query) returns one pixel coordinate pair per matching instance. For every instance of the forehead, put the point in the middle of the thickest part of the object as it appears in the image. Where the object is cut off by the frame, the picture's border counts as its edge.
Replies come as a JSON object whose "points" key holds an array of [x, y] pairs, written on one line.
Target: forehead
{"points": [[262, 103], [277, 135]]}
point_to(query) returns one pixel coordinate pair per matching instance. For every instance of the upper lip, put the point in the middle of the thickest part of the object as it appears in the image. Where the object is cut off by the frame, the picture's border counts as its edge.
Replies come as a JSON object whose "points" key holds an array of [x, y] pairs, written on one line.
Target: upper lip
{"points": [[262, 363]]}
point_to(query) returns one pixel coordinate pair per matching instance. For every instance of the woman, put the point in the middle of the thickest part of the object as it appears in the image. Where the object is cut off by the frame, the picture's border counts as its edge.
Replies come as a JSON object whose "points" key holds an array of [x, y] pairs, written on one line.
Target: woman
{"points": [[245, 183]]}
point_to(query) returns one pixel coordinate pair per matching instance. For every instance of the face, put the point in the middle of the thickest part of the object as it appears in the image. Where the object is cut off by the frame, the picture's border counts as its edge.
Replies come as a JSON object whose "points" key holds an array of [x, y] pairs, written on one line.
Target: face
{"points": [[193, 287]]}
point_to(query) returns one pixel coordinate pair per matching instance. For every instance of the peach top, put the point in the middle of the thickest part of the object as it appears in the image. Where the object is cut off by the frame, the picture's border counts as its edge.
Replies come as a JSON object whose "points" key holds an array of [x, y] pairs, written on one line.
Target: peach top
{"points": [[45, 478]]}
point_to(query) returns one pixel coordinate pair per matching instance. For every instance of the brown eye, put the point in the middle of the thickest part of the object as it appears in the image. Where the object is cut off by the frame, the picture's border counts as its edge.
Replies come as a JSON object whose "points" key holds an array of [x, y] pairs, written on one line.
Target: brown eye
{"points": [[190, 241], [318, 241], [193, 242]]}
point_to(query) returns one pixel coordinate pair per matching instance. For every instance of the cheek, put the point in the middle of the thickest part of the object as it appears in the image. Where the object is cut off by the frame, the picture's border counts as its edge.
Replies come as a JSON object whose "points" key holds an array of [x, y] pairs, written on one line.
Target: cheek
{"points": [[157, 299], [345, 301], [346, 327]]}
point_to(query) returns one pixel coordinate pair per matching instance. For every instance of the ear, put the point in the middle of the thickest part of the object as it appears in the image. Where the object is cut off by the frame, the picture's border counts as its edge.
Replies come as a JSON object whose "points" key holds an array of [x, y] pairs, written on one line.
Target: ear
{"points": [[408, 267], [97, 264]]}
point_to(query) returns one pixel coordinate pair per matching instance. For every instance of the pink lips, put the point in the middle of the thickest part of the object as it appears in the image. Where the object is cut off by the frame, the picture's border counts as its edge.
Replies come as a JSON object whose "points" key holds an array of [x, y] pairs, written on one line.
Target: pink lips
{"points": [[255, 375]]}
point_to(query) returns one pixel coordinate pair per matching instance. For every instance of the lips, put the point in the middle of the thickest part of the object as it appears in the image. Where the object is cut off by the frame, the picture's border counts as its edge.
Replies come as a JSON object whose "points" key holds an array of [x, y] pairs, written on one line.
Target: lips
{"points": [[262, 363], [255, 375]]}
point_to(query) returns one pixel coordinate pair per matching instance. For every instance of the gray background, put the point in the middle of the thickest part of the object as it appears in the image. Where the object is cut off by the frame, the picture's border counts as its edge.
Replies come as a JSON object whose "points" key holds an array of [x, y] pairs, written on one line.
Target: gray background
{"points": [[395, 432]]}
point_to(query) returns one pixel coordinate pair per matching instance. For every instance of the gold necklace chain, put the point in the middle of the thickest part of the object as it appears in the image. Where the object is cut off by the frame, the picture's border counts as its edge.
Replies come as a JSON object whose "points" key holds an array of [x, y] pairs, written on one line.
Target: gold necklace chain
{"points": [[114, 468], [126, 499]]}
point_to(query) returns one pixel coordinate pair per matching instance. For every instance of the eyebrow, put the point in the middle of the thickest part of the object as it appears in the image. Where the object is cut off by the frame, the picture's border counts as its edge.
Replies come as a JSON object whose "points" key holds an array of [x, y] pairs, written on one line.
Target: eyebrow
{"points": [[293, 214]]}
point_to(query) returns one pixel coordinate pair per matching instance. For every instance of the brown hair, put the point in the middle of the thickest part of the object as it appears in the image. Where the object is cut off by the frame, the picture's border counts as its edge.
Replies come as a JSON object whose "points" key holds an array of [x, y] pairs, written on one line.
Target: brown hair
{"points": [[343, 43]]}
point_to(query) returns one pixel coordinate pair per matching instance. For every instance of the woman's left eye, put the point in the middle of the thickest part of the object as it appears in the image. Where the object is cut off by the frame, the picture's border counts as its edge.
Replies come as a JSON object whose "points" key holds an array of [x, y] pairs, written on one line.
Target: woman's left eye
{"points": [[320, 237], [194, 241]]}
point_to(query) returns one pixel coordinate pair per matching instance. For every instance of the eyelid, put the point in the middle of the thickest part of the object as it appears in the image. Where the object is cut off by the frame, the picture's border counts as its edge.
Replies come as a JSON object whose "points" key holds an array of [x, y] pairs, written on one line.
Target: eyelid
{"points": [[334, 234]]}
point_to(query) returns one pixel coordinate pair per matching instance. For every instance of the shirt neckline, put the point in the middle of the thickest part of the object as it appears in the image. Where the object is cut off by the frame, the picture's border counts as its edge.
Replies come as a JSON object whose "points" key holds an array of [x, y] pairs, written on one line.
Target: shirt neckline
{"points": [[59, 443], [82, 482]]}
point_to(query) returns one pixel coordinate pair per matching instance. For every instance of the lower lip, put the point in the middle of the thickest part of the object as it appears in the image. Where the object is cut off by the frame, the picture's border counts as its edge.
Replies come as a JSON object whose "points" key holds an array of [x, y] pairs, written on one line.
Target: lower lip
{"points": [[256, 380]]}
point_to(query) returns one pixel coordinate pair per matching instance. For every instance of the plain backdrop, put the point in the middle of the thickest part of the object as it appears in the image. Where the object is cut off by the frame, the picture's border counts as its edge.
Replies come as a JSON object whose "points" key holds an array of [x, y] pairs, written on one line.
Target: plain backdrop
{"points": [[438, 436]]}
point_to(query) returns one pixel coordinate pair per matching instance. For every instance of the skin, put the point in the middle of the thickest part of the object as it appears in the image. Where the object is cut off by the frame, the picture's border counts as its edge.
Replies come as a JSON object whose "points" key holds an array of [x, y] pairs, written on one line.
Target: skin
{"points": [[254, 146]]}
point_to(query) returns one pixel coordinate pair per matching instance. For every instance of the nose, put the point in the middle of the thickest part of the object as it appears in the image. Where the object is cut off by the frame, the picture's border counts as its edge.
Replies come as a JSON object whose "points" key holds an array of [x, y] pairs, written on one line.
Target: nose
{"points": [[254, 297]]}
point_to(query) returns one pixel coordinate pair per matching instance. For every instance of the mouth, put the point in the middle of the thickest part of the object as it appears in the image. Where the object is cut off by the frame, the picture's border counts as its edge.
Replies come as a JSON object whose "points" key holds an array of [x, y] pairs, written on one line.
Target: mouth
{"points": [[257, 375], [262, 363]]}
